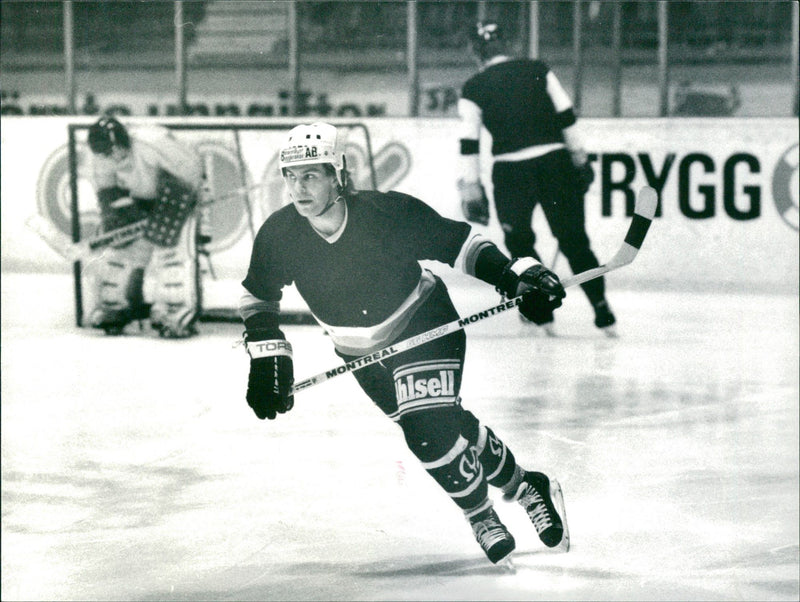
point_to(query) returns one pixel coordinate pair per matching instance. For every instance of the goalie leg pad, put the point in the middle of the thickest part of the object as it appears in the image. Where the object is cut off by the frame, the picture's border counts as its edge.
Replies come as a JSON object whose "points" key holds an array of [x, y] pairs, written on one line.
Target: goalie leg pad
{"points": [[176, 203], [176, 294], [119, 286]]}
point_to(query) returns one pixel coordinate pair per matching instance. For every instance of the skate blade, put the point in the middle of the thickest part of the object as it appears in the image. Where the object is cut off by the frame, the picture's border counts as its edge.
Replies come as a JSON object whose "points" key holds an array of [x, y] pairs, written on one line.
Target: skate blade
{"points": [[549, 330], [507, 565], [610, 332], [558, 501]]}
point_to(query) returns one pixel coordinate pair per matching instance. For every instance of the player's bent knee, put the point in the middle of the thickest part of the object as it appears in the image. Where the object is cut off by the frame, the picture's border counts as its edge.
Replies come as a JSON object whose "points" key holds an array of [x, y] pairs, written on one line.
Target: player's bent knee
{"points": [[430, 434]]}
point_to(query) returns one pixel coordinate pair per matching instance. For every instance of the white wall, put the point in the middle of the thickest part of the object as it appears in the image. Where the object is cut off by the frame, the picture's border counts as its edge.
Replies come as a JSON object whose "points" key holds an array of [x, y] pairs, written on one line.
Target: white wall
{"points": [[729, 192]]}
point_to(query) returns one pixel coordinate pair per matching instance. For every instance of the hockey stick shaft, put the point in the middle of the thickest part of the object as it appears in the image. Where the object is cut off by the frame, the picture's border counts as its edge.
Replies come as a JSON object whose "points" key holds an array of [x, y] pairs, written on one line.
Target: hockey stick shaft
{"points": [[644, 211], [88, 247]]}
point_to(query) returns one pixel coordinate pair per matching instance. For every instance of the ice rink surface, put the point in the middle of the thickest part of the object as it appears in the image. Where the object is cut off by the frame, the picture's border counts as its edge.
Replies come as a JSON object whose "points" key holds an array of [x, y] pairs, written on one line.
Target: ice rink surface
{"points": [[133, 469]]}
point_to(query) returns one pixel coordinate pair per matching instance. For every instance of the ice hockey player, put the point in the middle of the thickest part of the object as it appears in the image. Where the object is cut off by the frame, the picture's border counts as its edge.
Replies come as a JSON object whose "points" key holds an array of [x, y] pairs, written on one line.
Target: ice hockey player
{"points": [[354, 257], [146, 173], [538, 158]]}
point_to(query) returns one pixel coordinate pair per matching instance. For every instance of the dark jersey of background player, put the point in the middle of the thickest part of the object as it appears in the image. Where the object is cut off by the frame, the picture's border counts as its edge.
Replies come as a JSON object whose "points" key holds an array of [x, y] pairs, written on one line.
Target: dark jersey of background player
{"points": [[538, 157]]}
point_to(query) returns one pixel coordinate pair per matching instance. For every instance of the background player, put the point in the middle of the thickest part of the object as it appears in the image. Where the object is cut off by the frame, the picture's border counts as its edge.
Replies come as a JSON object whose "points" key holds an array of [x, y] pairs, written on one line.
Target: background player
{"points": [[354, 257], [538, 159], [141, 174]]}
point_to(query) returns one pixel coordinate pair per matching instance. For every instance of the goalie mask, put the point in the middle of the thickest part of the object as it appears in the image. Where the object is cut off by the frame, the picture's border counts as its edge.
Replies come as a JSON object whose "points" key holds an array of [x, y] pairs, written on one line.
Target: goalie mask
{"points": [[313, 144], [106, 134]]}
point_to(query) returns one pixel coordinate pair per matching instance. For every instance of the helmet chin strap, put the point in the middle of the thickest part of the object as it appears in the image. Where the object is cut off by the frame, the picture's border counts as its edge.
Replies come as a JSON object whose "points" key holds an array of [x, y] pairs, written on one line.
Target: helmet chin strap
{"points": [[330, 204]]}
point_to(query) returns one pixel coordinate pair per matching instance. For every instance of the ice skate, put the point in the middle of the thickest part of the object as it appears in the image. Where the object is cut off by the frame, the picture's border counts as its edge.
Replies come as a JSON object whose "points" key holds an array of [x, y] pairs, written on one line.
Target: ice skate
{"points": [[492, 535], [174, 325], [166, 331], [114, 321], [543, 501], [604, 319]]}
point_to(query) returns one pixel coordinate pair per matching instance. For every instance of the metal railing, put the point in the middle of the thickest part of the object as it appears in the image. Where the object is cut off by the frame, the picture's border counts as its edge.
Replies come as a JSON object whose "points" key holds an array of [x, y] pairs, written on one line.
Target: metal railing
{"points": [[401, 35]]}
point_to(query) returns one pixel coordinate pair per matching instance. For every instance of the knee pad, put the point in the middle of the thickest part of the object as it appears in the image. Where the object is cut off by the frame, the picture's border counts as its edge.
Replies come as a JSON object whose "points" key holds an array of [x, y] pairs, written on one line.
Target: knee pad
{"points": [[431, 433]]}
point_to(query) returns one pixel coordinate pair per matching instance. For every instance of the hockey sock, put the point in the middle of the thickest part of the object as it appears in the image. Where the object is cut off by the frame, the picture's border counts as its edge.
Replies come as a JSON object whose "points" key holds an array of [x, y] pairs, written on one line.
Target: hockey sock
{"points": [[510, 488], [461, 475], [485, 504], [497, 460], [447, 455]]}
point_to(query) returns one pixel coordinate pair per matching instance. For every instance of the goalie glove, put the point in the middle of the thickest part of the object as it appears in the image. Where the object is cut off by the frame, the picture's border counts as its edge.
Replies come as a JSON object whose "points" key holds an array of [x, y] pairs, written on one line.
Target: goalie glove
{"points": [[271, 375], [474, 202], [118, 209], [541, 289], [175, 204]]}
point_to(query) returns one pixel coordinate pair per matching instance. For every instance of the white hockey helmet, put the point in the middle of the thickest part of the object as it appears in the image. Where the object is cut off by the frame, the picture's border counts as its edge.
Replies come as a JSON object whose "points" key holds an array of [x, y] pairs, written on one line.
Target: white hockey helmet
{"points": [[314, 143]]}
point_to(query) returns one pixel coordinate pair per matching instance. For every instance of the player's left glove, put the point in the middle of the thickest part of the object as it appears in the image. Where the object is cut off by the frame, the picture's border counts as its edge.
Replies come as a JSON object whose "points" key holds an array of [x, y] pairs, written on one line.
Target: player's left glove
{"points": [[541, 289], [584, 175], [474, 203], [271, 372]]}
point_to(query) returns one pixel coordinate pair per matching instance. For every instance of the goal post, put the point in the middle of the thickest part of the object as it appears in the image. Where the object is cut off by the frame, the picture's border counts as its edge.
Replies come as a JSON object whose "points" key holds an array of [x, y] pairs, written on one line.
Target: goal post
{"points": [[240, 157]]}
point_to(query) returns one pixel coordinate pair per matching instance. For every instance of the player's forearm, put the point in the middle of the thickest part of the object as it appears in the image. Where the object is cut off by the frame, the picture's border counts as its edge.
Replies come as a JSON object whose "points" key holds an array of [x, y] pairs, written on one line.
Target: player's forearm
{"points": [[257, 313], [481, 259]]}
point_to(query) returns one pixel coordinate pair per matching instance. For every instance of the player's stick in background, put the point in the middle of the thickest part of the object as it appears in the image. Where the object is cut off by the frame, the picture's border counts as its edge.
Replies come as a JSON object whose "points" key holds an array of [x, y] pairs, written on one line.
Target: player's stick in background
{"points": [[644, 211]]}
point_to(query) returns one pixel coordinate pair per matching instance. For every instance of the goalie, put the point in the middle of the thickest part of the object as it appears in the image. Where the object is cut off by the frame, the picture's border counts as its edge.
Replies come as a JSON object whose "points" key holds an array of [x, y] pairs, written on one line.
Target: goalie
{"points": [[138, 175]]}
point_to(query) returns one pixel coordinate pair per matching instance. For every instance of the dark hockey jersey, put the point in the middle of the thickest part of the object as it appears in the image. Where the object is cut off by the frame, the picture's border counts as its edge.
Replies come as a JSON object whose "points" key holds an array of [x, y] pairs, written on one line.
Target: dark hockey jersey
{"points": [[517, 107], [364, 278]]}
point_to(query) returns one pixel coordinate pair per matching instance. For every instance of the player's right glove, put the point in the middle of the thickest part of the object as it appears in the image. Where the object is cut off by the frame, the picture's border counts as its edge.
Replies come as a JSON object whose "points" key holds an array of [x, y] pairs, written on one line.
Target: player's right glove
{"points": [[474, 202], [541, 289], [271, 372]]}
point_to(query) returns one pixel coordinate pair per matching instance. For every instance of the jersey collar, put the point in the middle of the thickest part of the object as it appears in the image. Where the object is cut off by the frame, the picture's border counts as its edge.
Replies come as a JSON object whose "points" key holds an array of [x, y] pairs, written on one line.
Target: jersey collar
{"points": [[500, 58], [338, 234]]}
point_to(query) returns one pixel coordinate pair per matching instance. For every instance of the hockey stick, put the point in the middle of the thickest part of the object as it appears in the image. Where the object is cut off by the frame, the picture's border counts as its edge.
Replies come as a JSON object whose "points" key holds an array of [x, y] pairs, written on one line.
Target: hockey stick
{"points": [[87, 248], [644, 211], [84, 249]]}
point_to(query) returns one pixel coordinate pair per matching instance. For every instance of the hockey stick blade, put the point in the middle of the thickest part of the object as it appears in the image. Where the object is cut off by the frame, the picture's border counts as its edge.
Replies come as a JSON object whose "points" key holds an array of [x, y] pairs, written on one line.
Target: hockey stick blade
{"points": [[644, 211]]}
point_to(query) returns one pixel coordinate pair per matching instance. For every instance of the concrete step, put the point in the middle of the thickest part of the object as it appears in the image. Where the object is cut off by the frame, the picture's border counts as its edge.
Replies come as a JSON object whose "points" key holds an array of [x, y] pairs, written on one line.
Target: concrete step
{"points": [[243, 23], [231, 28]]}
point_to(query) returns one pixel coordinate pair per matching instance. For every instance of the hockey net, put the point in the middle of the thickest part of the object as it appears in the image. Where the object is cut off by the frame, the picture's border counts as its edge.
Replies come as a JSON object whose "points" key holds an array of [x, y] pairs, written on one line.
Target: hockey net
{"points": [[240, 156]]}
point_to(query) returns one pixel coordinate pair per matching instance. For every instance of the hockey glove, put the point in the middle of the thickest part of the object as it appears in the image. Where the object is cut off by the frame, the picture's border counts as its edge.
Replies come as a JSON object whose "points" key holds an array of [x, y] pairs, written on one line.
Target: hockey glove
{"points": [[271, 372], [584, 175], [538, 307], [541, 289], [474, 202], [176, 203]]}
